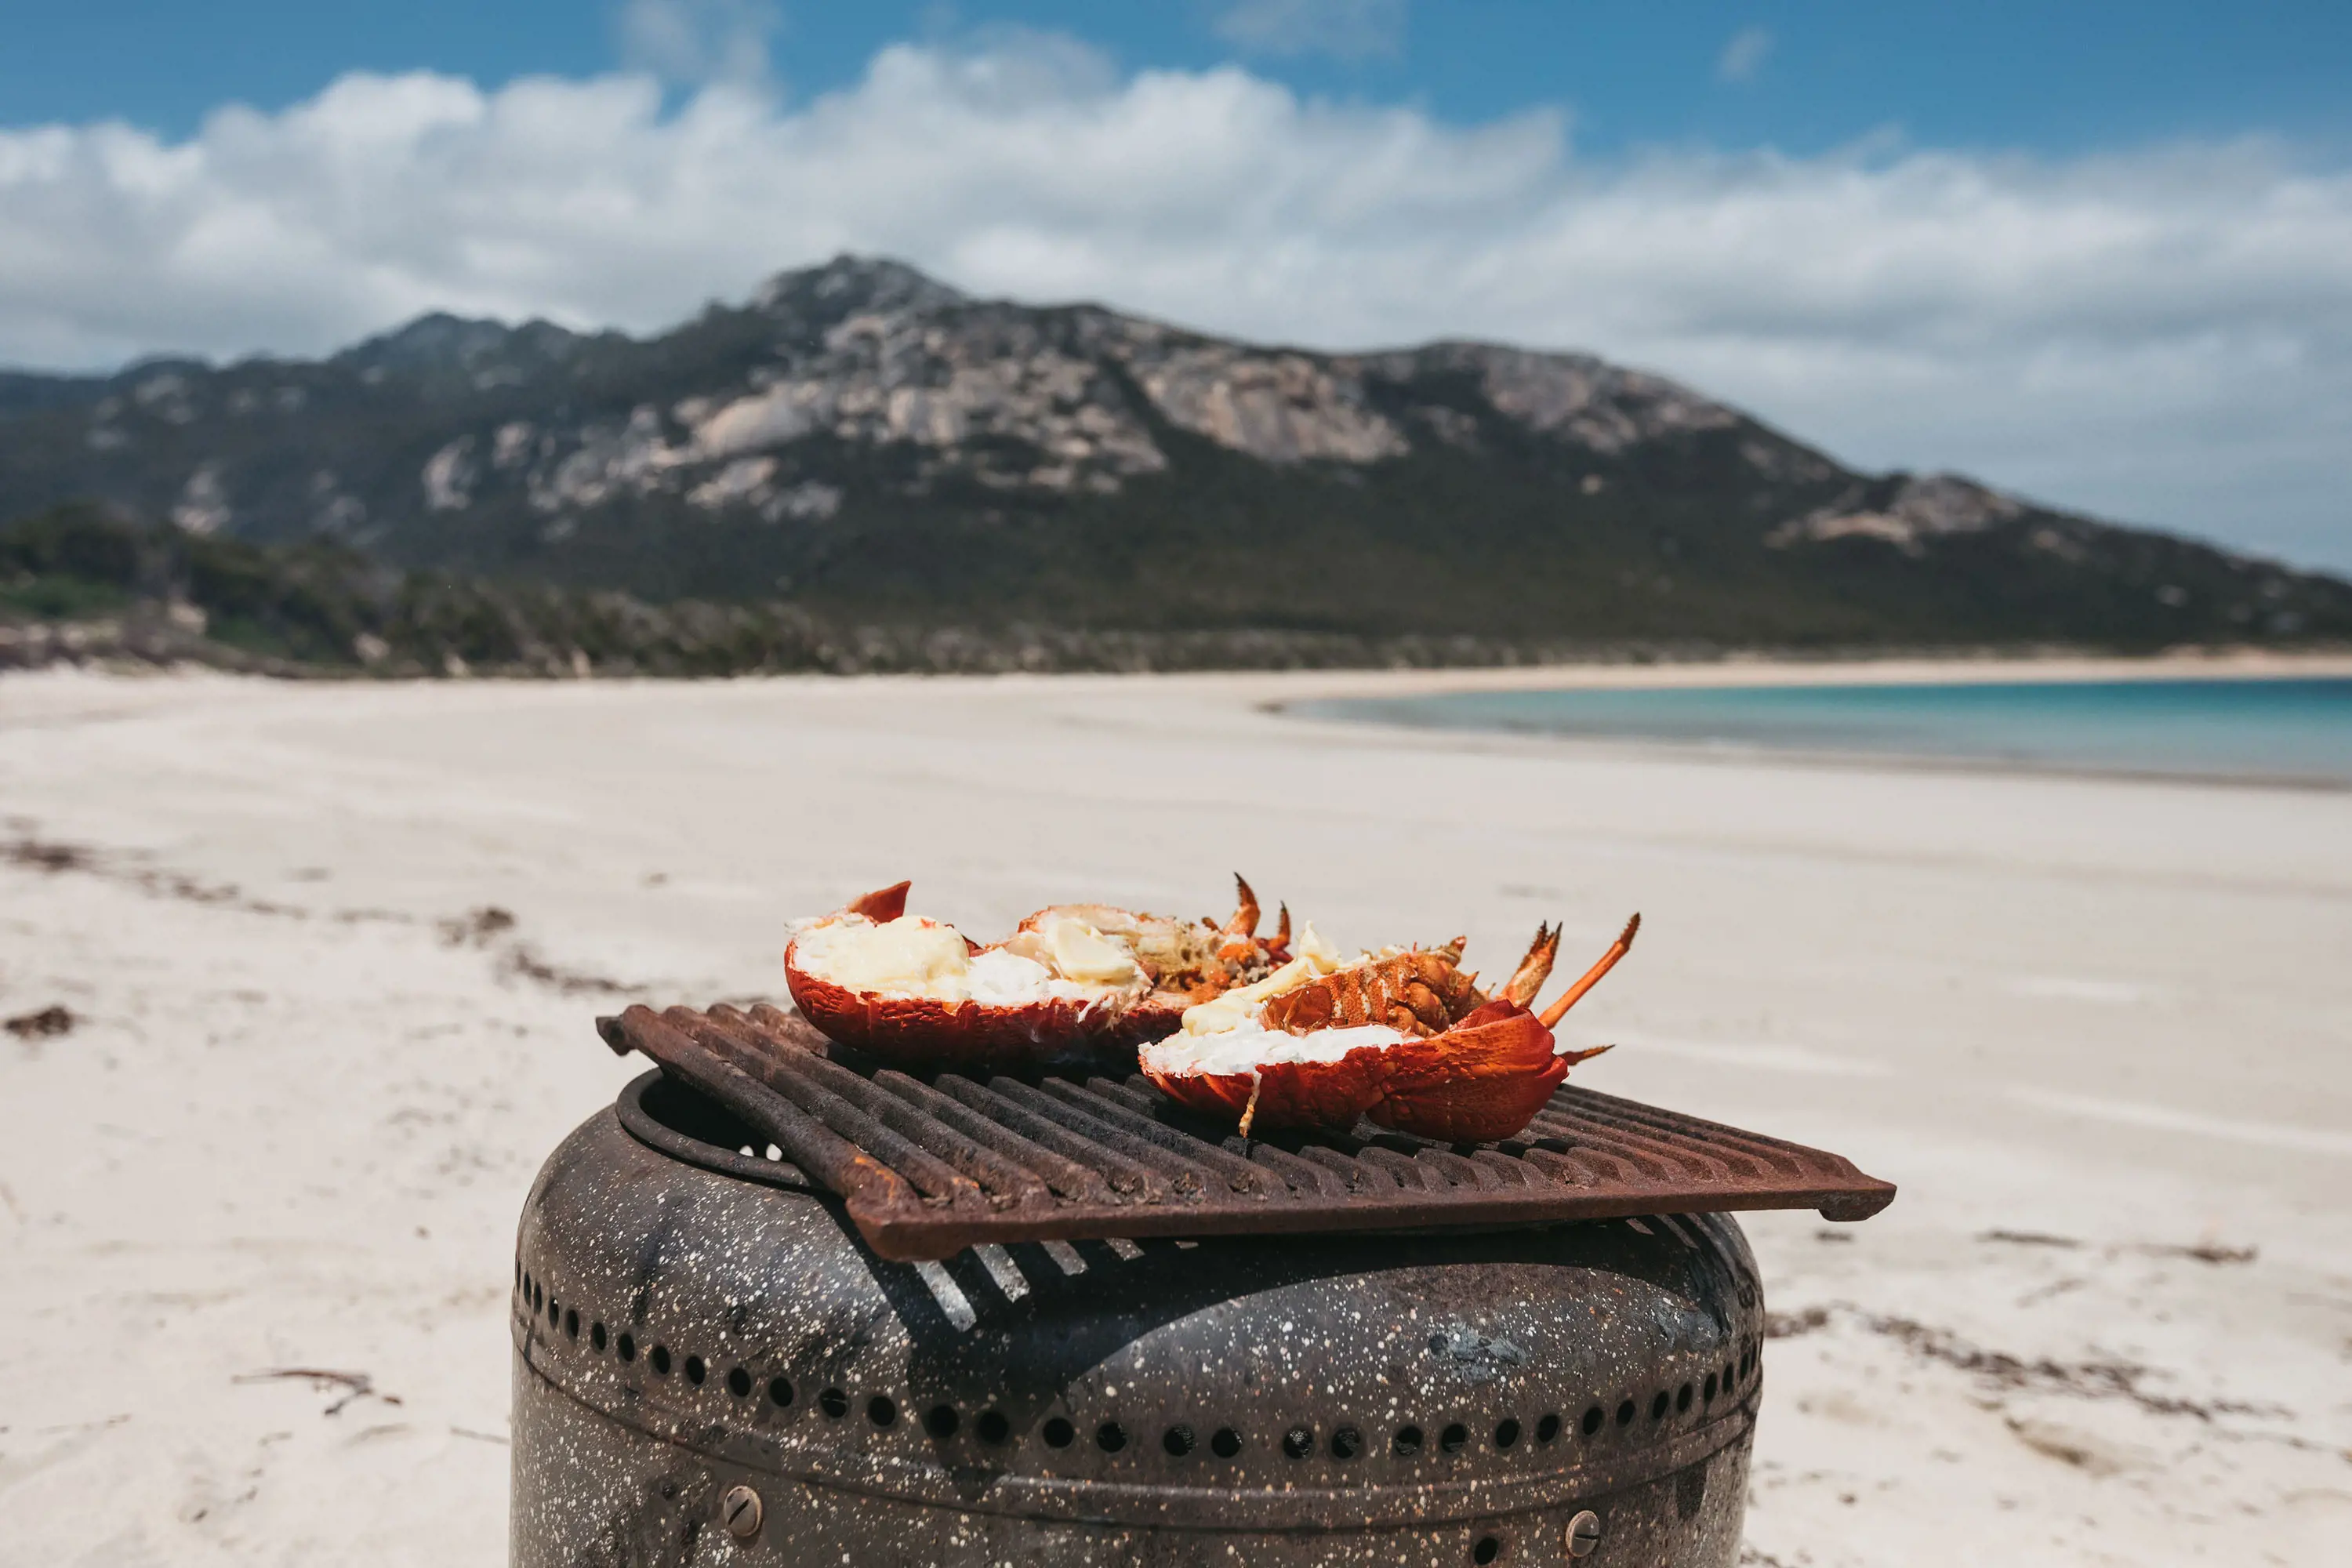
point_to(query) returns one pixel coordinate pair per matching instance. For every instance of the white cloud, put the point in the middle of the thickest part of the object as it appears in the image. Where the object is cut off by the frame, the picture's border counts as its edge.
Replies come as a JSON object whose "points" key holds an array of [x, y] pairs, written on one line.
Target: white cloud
{"points": [[1744, 55], [1344, 29], [698, 41], [2163, 335]]}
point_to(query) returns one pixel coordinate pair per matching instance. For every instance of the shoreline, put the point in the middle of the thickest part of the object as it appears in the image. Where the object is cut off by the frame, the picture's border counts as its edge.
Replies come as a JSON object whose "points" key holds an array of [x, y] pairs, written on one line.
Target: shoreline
{"points": [[1760, 670], [1739, 669], [1746, 754]]}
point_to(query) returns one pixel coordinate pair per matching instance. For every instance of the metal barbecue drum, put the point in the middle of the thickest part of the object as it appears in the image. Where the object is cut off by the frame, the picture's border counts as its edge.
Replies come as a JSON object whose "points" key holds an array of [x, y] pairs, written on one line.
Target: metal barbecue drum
{"points": [[713, 1367]]}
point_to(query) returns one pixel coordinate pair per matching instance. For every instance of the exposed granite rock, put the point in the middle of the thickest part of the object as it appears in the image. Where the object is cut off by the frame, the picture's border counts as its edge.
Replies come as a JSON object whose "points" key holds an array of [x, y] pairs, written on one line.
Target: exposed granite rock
{"points": [[1276, 408], [1919, 509]]}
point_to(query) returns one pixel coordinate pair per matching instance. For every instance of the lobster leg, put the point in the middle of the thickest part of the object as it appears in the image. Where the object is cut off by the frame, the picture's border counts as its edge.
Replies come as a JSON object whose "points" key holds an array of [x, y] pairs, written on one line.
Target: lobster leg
{"points": [[1527, 981], [1552, 1015], [1279, 945], [1245, 920]]}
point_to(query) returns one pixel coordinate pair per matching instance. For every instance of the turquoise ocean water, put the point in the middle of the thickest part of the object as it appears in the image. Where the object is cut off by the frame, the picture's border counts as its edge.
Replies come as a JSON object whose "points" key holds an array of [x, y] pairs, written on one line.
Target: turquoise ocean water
{"points": [[2287, 730]]}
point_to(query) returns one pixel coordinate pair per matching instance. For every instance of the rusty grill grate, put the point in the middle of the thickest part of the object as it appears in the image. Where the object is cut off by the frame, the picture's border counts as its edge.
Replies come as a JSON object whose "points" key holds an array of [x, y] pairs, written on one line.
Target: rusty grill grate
{"points": [[929, 1169]]}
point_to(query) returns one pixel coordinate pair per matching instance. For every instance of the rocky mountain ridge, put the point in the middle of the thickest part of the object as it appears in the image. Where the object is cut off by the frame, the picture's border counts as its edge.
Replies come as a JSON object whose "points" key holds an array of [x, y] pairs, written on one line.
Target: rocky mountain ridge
{"points": [[869, 444]]}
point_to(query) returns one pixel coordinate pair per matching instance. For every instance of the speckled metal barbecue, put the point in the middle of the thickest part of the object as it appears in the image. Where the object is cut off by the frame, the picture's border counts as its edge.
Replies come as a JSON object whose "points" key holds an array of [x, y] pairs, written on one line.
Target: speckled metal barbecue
{"points": [[719, 1360], [931, 1169]]}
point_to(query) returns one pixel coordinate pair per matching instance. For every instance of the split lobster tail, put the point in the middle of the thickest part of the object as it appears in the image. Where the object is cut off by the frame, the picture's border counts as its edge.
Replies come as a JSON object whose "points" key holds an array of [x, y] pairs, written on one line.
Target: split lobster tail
{"points": [[1083, 984], [1438, 1058], [903, 991]]}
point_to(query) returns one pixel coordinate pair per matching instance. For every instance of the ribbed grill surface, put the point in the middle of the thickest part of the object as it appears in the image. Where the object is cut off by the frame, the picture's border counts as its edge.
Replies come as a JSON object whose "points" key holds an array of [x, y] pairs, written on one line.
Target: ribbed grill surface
{"points": [[928, 1170]]}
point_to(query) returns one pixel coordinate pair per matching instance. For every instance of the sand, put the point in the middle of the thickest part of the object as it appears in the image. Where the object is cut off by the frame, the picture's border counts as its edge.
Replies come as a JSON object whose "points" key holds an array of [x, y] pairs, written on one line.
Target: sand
{"points": [[2096, 1029]]}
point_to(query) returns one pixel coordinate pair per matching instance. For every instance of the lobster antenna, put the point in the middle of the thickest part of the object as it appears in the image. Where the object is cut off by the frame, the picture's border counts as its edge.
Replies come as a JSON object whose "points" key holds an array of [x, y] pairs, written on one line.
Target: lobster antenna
{"points": [[1552, 1015]]}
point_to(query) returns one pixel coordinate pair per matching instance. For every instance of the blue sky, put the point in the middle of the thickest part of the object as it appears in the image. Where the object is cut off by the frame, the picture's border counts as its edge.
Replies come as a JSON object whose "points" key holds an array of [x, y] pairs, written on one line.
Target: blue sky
{"points": [[2096, 254], [1992, 74]]}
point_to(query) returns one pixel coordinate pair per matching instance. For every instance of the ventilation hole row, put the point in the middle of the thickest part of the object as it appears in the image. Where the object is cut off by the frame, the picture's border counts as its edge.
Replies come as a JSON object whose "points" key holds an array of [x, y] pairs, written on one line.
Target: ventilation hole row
{"points": [[942, 1421], [740, 1381]]}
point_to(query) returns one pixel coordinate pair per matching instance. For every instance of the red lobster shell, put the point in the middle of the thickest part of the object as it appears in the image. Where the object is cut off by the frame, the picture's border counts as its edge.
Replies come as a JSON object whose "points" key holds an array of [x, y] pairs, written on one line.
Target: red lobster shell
{"points": [[931, 1033], [1469, 1069]]}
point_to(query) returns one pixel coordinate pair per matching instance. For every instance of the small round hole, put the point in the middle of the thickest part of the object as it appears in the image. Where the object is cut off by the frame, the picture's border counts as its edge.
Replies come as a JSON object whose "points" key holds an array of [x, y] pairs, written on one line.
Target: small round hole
{"points": [[694, 1369], [1486, 1551], [1110, 1436], [628, 1348], [780, 1390], [1625, 1413], [881, 1411], [1346, 1443], [1708, 1397], [1593, 1420], [1225, 1443], [1408, 1442], [834, 1402], [1682, 1398], [571, 1325], [1506, 1432], [1455, 1438], [1299, 1442], [1548, 1428], [992, 1427], [661, 1360], [941, 1421], [554, 1313], [596, 1337], [1658, 1406], [1058, 1432], [1177, 1441], [738, 1383]]}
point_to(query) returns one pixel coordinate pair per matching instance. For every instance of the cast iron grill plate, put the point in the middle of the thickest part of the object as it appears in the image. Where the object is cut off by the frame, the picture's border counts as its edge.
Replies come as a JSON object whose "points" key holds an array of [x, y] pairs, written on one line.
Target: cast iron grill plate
{"points": [[929, 1169]]}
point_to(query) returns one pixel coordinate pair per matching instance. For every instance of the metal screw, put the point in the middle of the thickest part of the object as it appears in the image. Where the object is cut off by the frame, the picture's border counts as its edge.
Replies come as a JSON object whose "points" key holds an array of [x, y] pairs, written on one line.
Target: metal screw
{"points": [[740, 1511], [1583, 1534]]}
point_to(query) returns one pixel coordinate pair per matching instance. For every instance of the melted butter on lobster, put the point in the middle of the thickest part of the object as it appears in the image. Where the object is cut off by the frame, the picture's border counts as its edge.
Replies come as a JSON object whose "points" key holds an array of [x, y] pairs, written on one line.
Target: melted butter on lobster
{"points": [[1072, 980], [1404, 1036]]}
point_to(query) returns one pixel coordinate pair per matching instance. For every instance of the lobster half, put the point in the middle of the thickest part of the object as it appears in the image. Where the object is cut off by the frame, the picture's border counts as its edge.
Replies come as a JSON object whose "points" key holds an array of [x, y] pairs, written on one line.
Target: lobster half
{"points": [[1073, 983], [1405, 1038]]}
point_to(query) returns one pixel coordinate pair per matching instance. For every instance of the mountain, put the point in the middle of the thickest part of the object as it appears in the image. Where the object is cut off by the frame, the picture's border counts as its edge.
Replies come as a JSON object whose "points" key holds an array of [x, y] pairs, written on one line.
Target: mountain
{"points": [[862, 444]]}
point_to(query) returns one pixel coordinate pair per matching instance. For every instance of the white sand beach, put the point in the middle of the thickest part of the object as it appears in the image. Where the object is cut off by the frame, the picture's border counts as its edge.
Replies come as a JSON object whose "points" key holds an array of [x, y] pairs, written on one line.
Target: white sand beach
{"points": [[2100, 1032]]}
